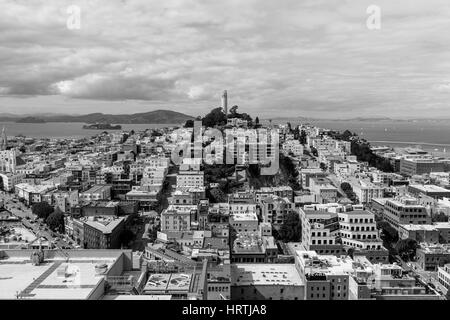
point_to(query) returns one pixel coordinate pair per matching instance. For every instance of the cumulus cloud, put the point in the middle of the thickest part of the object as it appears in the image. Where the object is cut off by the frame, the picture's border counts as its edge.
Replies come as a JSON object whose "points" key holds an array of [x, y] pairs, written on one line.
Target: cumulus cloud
{"points": [[292, 57]]}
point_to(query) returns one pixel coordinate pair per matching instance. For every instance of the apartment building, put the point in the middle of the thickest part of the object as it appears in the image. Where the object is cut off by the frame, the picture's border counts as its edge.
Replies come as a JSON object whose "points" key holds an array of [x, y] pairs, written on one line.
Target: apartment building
{"points": [[190, 179], [323, 188], [410, 167], [405, 210], [274, 209], [96, 193], [178, 217], [365, 190], [319, 230], [103, 232], [326, 277], [358, 230], [244, 223]]}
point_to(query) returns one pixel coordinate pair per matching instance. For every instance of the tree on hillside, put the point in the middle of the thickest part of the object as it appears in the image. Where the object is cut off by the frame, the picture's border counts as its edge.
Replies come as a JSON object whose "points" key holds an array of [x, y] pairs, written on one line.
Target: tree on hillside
{"points": [[347, 188], [256, 120], [42, 209], [361, 149], [441, 217], [233, 111], [389, 234], [406, 248], [215, 118], [55, 221], [291, 229], [189, 124], [234, 114], [346, 135]]}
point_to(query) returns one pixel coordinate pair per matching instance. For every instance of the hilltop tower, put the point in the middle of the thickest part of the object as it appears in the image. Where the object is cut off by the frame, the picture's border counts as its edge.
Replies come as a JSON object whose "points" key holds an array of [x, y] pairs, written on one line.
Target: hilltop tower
{"points": [[225, 102]]}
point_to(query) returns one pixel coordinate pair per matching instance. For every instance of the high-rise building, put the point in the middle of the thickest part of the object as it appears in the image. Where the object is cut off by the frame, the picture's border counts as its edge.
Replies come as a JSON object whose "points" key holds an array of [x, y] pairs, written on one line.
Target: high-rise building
{"points": [[7, 157], [4, 140], [225, 102]]}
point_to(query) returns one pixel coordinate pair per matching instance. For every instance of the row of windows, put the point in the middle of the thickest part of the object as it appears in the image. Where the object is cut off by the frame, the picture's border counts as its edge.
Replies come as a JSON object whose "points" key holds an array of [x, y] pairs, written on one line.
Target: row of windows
{"points": [[324, 241], [358, 236], [218, 289], [356, 220], [362, 228], [347, 243], [337, 251], [319, 234]]}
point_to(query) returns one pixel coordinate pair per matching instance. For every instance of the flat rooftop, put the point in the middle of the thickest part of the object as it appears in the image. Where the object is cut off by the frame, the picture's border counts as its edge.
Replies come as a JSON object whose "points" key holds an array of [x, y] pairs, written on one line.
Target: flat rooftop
{"points": [[169, 282], [137, 297], [265, 274], [53, 279], [418, 227], [326, 264], [97, 188], [104, 224], [244, 217], [442, 225], [429, 188]]}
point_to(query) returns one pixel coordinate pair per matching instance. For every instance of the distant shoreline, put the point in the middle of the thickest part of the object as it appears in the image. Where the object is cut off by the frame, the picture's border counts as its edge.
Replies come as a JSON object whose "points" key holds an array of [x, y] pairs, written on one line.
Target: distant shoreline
{"points": [[411, 142]]}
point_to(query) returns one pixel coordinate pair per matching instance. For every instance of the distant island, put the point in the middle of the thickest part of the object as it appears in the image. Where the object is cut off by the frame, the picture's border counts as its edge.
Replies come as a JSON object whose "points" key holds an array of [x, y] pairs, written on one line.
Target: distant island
{"points": [[152, 117], [30, 120], [102, 126]]}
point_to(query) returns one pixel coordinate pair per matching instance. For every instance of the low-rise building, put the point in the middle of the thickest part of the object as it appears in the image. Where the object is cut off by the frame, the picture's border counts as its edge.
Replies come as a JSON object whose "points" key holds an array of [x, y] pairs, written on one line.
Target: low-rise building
{"points": [[429, 190], [266, 282], [244, 223], [444, 276], [97, 192], [420, 232], [178, 217], [103, 232], [323, 188], [250, 248], [275, 210], [326, 277], [405, 210], [430, 257]]}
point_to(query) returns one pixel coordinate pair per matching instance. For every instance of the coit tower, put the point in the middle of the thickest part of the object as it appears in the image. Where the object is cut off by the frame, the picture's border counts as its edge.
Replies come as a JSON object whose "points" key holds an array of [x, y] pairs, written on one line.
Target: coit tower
{"points": [[225, 102]]}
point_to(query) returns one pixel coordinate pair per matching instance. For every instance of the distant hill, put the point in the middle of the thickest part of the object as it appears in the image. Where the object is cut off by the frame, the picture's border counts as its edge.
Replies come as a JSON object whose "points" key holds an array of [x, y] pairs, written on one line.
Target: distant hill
{"points": [[30, 120], [289, 119], [152, 117]]}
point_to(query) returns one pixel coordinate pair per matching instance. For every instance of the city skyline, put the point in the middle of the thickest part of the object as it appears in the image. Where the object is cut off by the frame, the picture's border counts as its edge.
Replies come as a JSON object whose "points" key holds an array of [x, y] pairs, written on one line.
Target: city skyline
{"points": [[295, 58]]}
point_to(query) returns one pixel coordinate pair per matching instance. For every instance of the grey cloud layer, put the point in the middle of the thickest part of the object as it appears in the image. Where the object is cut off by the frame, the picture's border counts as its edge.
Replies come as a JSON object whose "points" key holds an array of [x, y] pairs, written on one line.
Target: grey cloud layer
{"points": [[299, 57]]}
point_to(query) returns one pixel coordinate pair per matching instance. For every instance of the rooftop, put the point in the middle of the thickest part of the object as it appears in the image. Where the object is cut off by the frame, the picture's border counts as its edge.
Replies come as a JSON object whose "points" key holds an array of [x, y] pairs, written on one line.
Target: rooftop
{"points": [[418, 227], [54, 278], [244, 217], [265, 274], [105, 224], [97, 188], [429, 188]]}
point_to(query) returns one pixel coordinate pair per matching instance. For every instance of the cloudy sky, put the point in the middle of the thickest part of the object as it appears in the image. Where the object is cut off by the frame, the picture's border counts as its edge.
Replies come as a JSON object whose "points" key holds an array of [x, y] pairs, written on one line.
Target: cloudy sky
{"points": [[276, 58]]}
